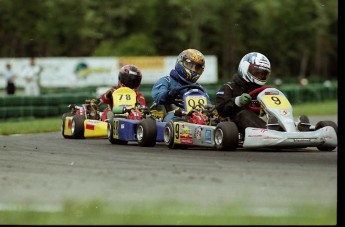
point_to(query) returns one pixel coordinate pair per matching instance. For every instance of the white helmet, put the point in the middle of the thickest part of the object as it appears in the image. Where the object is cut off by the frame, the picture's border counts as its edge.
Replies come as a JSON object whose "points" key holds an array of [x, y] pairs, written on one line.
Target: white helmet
{"points": [[254, 68]]}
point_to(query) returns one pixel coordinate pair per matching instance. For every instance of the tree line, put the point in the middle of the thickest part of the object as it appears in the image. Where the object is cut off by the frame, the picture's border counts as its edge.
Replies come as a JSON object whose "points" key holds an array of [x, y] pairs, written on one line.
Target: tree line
{"points": [[300, 38]]}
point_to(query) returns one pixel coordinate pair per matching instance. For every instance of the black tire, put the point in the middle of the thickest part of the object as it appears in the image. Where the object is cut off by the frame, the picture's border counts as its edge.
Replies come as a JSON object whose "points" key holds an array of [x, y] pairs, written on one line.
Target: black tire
{"points": [[63, 119], [322, 124], [169, 134], [78, 127], [111, 133], [146, 132], [226, 136]]}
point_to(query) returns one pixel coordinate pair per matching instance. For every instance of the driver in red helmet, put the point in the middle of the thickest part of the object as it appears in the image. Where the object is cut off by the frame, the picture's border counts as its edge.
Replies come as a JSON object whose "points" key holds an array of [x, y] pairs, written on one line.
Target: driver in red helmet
{"points": [[253, 72], [129, 76]]}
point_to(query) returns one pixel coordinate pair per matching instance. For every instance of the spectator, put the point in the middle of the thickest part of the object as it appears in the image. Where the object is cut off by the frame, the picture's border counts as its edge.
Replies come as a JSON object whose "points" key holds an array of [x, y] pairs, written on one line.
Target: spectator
{"points": [[31, 76], [9, 75]]}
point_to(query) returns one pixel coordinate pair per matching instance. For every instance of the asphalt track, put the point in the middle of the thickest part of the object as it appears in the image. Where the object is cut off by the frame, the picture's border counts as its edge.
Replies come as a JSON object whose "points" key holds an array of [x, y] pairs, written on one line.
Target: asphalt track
{"points": [[45, 169]]}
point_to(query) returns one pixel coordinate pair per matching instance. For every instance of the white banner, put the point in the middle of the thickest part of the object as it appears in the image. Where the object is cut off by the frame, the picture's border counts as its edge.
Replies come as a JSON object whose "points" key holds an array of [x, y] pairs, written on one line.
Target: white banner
{"points": [[99, 71]]}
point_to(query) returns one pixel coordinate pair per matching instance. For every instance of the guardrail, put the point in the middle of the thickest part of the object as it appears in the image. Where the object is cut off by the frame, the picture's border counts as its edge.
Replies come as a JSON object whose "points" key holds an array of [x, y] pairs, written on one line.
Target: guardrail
{"points": [[51, 105]]}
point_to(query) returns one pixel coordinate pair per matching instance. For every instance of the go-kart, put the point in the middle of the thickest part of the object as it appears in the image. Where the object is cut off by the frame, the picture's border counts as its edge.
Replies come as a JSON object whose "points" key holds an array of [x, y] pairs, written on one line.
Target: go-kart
{"points": [[84, 121], [193, 129], [197, 123], [132, 122], [282, 131]]}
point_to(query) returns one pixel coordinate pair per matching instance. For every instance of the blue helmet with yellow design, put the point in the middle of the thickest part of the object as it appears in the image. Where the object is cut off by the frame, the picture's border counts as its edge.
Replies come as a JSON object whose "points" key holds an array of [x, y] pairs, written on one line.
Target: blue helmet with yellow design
{"points": [[190, 65]]}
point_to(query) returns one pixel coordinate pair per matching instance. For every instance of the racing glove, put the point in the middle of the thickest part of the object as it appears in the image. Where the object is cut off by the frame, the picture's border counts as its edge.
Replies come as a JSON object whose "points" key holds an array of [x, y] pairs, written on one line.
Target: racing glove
{"points": [[96, 101], [109, 94], [245, 99], [173, 93]]}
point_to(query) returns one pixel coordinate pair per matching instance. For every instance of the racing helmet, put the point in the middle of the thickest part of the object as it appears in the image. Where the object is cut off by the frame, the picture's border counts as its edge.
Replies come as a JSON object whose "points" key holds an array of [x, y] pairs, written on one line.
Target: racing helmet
{"points": [[190, 65], [254, 68], [130, 76]]}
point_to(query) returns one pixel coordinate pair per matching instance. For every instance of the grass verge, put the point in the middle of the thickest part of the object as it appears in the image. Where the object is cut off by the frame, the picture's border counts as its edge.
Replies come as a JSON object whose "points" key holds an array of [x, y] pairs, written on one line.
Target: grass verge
{"points": [[171, 213]]}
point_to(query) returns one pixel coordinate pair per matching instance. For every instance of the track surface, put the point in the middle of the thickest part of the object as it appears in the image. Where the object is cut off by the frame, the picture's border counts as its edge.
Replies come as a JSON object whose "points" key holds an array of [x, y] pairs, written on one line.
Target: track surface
{"points": [[46, 169]]}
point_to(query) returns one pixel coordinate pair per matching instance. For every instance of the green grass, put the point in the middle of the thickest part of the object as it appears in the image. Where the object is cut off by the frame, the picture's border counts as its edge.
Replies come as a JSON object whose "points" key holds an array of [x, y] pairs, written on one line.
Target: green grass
{"points": [[171, 213], [53, 124]]}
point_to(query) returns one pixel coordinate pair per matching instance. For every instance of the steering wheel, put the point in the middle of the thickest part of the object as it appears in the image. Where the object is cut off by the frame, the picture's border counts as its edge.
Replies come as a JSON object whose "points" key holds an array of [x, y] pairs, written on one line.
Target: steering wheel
{"points": [[251, 106], [190, 86]]}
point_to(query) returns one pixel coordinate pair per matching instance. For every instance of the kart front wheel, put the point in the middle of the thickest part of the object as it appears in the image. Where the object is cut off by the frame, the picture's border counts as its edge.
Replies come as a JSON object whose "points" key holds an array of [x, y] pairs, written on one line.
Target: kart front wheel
{"points": [[146, 133], [321, 124], [78, 126], [226, 136], [169, 134]]}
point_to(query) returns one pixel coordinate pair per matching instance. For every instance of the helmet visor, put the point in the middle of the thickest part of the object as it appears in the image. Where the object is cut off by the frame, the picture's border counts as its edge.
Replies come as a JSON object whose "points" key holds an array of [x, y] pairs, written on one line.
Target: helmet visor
{"points": [[258, 72], [195, 67]]}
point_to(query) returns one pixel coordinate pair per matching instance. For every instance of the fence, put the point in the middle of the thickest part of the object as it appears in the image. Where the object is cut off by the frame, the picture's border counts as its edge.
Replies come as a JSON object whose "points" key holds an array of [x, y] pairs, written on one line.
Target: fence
{"points": [[53, 105]]}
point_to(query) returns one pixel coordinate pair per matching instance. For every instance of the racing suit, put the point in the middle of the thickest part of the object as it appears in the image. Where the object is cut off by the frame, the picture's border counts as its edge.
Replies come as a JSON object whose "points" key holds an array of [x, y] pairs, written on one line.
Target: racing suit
{"points": [[165, 84], [227, 107], [107, 99]]}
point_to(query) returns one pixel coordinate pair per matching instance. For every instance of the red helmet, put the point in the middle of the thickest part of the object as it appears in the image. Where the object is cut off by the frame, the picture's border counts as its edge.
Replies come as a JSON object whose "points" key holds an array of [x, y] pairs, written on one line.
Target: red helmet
{"points": [[130, 76]]}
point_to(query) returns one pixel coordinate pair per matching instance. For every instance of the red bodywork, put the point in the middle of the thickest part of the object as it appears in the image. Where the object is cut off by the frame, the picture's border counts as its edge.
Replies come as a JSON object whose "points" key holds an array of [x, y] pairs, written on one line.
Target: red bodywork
{"points": [[197, 118]]}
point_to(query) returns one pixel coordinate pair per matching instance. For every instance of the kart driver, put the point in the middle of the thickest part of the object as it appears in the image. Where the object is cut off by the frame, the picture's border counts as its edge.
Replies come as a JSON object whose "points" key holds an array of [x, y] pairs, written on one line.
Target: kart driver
{"points": [[189, 66], [129, 76], [232, 97]]}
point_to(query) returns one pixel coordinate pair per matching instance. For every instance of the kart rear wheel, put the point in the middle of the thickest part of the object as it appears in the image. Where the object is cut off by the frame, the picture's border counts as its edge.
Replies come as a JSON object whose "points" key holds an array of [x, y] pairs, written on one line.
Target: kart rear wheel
{"points": [[321, 124], [78, 126], [63, 119], [226, 136], [110, 133], [146, 132]]}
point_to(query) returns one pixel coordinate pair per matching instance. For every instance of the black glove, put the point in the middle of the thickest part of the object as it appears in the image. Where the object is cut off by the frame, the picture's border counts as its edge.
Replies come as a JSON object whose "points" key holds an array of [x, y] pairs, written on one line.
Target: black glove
{"points": [[173, 93], [109, 94], [178, 112]]}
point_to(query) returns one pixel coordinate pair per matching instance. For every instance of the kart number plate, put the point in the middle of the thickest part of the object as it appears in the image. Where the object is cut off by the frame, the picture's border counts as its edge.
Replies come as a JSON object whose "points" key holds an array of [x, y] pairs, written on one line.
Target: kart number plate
{"points": [[276, 101], [124, 97], [193, 101]]}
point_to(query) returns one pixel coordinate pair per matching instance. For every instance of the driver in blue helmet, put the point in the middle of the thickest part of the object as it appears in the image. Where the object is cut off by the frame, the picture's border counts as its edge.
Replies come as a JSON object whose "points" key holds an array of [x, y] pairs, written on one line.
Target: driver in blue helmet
{"points": [[189, 66], [253, 72]]}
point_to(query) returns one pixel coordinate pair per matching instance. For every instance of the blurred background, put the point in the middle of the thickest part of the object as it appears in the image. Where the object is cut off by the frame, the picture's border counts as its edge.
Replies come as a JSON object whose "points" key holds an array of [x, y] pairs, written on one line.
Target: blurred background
{"points": [[300, 38]]}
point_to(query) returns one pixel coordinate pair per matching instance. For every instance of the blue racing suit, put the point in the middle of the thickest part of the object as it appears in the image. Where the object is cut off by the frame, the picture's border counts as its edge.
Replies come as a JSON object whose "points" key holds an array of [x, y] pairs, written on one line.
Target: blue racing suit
{"points": [[165, 84]]}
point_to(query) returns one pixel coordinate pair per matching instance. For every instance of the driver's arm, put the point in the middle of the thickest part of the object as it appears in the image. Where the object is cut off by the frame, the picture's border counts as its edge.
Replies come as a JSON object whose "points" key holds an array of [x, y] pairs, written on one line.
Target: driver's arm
{"points": [[225, 102], [160, 91]]}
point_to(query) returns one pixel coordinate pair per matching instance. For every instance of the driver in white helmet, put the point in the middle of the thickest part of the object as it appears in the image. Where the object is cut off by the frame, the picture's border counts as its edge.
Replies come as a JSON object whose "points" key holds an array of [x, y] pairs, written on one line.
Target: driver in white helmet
{"points": [[253, 72], [189, 66]]}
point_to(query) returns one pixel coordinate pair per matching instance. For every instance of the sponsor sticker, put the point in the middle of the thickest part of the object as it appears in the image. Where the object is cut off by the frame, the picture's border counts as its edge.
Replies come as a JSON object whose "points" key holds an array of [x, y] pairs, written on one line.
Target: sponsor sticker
{"points": [[208, 136], [198, 133]]}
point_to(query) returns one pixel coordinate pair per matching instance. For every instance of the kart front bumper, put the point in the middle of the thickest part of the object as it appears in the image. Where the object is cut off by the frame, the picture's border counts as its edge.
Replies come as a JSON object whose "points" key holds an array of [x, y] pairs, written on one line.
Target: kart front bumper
{"points": [[261, 138]]}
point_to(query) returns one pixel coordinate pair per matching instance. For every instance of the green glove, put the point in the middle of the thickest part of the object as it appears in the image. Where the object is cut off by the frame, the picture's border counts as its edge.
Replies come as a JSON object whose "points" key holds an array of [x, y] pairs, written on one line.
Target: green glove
{"points": [[245, 99], [95, 101]]}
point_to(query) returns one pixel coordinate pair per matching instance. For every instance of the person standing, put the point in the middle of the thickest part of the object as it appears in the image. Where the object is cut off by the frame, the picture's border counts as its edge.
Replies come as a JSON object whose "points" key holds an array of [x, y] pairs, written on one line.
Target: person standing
{"points": [[9, 75], [31, 77]]}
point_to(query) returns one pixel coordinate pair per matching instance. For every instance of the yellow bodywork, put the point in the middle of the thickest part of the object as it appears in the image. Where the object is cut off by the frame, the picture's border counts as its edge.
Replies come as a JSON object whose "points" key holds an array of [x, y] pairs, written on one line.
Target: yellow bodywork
{"points": [[95, 128], [92, 128], [68, 126]]}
